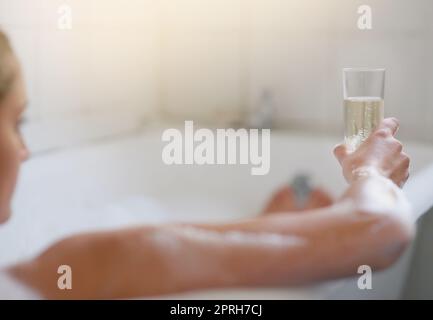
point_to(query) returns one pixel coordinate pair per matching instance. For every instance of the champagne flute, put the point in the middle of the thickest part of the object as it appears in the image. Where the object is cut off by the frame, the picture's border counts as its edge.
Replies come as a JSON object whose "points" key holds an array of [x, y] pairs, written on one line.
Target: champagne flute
{"points": [[364, 103]]}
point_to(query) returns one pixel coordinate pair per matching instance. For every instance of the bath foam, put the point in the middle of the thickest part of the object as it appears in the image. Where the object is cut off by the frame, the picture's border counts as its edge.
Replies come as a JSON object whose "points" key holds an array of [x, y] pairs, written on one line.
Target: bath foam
{"points": [[11, 288], [393, 198], [175, 258], [170, 239], [239, 237]]}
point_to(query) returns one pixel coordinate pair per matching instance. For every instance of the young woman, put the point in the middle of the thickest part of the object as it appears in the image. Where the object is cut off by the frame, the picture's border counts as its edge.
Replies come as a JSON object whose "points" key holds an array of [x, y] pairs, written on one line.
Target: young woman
{"points": [[369, 225]]}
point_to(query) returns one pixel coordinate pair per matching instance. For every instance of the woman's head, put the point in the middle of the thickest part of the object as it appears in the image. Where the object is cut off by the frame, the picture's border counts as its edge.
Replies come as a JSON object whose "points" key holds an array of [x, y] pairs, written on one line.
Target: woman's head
{"points": [[12, 104]]}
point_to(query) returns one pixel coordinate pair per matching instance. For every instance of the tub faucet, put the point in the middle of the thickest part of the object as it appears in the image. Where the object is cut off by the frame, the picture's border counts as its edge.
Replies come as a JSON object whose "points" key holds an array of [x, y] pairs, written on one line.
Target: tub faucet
{"points": [[302, 189], [263, 115]]}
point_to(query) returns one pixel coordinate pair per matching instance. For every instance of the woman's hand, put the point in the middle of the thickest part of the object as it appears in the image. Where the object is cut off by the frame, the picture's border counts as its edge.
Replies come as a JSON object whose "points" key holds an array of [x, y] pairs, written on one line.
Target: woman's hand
{"points": [[380, 154]]}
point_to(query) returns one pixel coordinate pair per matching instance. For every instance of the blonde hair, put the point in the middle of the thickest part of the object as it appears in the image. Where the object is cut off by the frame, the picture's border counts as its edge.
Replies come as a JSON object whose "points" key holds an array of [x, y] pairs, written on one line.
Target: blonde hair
{"points": [[6, 69]]}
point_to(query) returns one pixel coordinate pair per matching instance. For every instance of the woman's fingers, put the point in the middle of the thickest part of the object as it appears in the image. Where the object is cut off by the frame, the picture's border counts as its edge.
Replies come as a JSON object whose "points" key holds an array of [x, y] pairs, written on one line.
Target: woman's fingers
{"points": [[381, 150], [341, 152], [388, 126], [400, 172]]}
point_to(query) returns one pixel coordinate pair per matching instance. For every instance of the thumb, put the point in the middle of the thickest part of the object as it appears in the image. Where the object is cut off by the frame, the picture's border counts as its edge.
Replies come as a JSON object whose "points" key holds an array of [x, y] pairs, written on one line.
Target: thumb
{"points": [[340, 152]]}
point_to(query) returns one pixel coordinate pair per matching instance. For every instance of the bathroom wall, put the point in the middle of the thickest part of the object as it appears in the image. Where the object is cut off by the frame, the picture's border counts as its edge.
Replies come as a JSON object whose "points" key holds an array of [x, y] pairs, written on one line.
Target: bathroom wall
{"points": [[95, 79], [304, 63], [219, 57], [210, 60], [202, 59]]}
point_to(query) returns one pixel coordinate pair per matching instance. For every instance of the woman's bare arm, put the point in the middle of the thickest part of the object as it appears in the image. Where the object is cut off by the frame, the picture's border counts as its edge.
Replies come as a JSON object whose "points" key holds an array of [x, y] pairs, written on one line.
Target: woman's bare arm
{"points": [[369, 225]]}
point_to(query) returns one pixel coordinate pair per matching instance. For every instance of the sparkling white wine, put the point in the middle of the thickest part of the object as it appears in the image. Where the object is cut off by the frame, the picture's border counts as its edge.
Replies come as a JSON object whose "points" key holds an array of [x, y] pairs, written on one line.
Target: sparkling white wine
{"points": [[362, 115]]}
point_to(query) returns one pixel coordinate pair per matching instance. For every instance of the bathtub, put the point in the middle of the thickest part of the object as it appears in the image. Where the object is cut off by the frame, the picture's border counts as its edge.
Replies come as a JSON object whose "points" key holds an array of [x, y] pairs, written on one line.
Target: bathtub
{"points": [[122, 181]]}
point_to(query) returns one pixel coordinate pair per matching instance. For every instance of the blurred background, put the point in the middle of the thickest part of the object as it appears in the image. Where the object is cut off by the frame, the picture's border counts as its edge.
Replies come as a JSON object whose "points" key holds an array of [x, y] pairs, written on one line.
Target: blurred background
{"points": [[108, 69], [122, 64]]}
